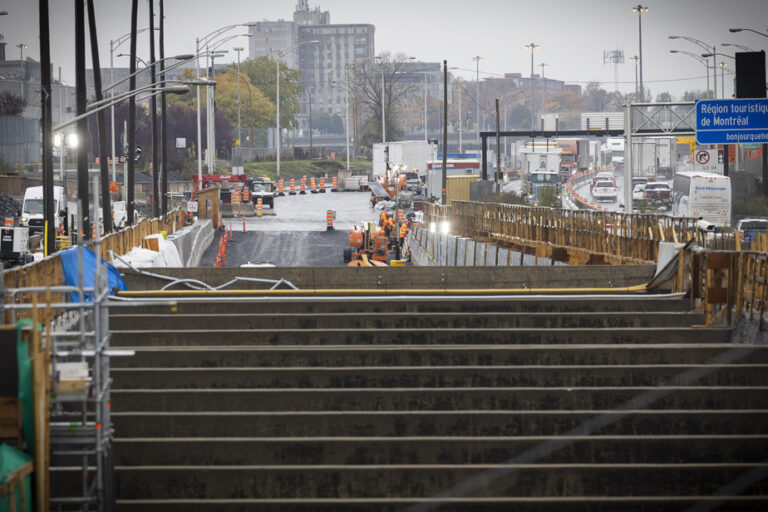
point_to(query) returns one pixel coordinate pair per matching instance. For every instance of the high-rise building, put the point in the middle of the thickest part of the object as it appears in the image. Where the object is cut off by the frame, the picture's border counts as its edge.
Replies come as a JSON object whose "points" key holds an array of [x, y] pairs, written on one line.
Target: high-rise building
{"points": [[321, 51]]}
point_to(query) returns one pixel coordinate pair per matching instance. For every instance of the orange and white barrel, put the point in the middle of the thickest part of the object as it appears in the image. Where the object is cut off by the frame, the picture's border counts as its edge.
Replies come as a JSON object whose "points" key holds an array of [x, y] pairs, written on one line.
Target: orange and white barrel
{"points": [[303, 185], [322, 184], [312, 185], [292, 190], [258, 207], [335, 184], [329, 215], [280, 190]]}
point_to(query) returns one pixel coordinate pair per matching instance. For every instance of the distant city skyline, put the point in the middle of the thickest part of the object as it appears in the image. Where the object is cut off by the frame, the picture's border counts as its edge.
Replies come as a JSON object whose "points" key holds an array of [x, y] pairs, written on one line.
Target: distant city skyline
{"points": [[572, 35]]}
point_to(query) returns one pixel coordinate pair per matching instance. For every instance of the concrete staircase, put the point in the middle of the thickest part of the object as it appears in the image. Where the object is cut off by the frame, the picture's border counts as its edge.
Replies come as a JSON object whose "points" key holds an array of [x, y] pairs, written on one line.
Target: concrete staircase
{"points": [[446, 403]]}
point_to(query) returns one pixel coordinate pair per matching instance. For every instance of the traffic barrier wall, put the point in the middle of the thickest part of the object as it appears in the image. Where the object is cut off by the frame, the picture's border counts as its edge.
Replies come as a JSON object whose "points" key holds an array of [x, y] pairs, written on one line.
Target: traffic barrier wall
{"points": [[192, 241]]}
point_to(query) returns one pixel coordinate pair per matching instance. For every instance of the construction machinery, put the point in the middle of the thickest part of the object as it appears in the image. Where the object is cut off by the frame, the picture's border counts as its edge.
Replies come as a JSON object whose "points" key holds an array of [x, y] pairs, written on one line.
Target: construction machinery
{"points": [[368, 245]]}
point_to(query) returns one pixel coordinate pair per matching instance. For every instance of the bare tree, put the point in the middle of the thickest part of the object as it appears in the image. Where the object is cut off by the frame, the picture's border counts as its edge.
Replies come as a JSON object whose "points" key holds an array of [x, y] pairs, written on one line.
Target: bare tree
{"points": [[366, 88]]}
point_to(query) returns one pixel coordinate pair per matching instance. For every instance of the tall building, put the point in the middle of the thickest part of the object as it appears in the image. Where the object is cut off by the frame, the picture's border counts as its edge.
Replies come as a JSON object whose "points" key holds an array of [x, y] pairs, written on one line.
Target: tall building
{"points": [[321, 51]]}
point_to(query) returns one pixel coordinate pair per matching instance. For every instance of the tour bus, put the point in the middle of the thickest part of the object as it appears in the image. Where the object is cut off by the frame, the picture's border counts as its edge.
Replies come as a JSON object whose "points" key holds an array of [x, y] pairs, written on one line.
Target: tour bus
{"points": [[703, 195]]}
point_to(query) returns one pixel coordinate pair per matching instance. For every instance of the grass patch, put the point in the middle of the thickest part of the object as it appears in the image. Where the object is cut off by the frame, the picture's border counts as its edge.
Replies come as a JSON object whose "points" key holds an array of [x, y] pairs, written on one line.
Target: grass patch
{"points": [[298, 168]]}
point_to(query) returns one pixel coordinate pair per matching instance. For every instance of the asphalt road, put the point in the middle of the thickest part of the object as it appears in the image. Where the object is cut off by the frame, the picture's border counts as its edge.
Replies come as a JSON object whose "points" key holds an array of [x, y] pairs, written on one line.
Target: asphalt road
{"points": [[296, 236]]}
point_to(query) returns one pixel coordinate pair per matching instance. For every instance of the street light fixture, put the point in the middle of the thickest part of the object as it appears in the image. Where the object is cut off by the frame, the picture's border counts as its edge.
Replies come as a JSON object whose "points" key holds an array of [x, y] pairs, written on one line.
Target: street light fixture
{"points": [[701, 61], [722, 65], [748, 30], [639, 9], [532, 48], [739, 46], [709, 49], [544, 66]]}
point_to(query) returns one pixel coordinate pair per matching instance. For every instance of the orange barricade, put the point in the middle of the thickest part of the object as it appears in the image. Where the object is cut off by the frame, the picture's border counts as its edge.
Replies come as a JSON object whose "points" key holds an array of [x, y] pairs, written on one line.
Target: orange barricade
{"points": [[8, 222], [400, 215], [312, 185], [258, 207], [335, 185], [329, 215], [322, 184], [303, 185], [280, 188], [292, 191]]}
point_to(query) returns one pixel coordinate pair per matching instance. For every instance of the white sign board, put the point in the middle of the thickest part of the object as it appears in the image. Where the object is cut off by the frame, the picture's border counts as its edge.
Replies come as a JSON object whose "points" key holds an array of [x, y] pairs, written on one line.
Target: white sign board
{"points": [[181, 142], [192, 206], [708, 160]]}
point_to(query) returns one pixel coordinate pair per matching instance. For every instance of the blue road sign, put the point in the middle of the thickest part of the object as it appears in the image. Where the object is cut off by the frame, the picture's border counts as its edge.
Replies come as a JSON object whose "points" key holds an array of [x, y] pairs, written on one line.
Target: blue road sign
{"points": [[732, 121]]}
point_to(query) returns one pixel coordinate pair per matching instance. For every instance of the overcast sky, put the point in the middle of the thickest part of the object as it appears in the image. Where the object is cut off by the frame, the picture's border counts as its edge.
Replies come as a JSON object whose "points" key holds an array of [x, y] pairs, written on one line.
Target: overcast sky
{"points": [[572, 33]]}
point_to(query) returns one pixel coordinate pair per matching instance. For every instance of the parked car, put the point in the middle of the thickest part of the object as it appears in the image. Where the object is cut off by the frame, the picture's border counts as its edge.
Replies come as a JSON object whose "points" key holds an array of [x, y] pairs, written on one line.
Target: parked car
{"points": [[748, 228], [604, 191], [658, 194]]}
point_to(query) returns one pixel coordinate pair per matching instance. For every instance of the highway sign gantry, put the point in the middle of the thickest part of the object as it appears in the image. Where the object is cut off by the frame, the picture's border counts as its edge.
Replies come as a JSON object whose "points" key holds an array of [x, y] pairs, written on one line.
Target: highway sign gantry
{"points": [[732, 121]]}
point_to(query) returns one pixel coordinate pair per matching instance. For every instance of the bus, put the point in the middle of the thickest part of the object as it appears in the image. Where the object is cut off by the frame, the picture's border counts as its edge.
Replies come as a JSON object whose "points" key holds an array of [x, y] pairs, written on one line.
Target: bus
{"points": [[703, 195]]}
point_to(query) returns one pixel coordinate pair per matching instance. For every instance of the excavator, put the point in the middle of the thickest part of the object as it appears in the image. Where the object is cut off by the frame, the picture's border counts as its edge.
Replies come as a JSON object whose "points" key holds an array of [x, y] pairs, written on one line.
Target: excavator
{"points": [[367, 246]]}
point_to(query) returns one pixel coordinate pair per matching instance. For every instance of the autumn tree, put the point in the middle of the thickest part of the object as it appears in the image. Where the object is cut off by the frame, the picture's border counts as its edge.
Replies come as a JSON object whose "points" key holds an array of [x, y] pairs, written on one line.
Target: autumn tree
{"points": [[255, 109], [262, 73]]}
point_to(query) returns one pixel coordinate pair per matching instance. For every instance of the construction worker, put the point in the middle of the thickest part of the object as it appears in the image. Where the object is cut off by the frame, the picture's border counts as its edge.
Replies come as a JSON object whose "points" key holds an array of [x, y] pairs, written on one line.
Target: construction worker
{"points": [[382, 218], [403, 230]]}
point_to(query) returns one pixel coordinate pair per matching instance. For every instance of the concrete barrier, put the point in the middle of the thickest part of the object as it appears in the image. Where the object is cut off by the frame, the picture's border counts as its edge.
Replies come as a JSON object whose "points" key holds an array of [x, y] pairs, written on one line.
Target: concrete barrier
{"points": [[192, 241]]}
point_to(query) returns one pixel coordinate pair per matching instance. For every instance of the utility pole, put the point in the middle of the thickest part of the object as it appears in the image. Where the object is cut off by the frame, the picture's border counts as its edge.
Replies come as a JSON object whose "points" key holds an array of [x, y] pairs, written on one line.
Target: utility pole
{"points": [[131, 131], [82, 124], [445, 131], [532, 47], [153, 109], [163, 126], [46, 121], [639, 9], [498, 150]]}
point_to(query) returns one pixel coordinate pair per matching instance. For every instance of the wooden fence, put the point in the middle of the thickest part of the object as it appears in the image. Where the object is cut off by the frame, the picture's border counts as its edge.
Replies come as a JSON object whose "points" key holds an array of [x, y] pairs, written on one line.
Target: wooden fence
{"points": [[575, 236]]}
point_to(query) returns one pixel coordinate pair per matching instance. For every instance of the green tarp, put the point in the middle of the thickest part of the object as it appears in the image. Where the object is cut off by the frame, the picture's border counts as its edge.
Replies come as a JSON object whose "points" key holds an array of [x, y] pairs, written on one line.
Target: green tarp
{"points": [[12, 459]]}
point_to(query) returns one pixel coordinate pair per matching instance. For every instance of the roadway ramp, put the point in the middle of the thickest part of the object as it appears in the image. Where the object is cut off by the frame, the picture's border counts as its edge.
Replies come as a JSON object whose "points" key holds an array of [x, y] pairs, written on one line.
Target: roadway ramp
{"points": [[488, 403]]}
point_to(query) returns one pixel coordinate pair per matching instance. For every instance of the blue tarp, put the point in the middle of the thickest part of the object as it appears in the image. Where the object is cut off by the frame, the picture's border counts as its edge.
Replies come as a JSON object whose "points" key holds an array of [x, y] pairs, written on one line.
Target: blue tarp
{"points": [[69, 265]]}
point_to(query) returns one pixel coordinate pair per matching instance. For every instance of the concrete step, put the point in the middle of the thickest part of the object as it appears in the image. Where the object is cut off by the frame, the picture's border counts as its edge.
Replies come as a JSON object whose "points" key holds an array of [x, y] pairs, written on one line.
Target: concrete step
{"points": [[481, 480], [427, 376], [369, 450], [440, 355], [435, 399], [455, 504], [404, 320], [432, 304], [179, 337], [437, 423]]}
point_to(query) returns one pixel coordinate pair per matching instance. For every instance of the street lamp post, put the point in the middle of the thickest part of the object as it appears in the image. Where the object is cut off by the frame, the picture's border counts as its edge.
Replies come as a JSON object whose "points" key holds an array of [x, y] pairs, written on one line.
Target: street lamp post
{"points": [[702, 61], [543, 66], [722, 65], [477, 60], [748, 30], [21, 47], [532, 47], [739, 46], [639, 9], [635, 60], [383, 122], [238, 50], [710, 49], [278, 143]]}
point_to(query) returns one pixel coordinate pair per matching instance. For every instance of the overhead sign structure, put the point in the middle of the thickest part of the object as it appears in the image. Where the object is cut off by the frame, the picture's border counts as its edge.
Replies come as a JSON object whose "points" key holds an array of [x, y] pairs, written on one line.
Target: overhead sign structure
{"points": [[708, 160], [732, 121]]}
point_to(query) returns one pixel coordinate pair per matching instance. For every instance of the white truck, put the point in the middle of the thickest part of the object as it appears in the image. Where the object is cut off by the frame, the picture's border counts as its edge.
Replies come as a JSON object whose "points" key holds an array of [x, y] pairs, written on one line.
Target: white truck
{"points": [[644, 159], [541, 169], [32, 208], [411, 153], [616, 147], [666, 157]]}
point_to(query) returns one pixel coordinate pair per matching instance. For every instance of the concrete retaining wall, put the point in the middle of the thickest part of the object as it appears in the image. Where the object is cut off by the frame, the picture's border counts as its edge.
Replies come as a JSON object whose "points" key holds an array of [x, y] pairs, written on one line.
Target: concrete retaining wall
{"points": [[383, 278], [192, 241], [437, 249]]}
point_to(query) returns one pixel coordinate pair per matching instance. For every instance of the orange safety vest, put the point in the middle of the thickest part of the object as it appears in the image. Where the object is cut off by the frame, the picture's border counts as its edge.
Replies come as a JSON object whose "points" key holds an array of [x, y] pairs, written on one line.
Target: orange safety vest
{"points": [[403, 229]]}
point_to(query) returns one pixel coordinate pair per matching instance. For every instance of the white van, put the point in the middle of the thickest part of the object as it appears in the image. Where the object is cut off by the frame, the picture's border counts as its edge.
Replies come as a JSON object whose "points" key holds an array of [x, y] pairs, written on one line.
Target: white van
{"points": [[32, 208], [704, 195]]}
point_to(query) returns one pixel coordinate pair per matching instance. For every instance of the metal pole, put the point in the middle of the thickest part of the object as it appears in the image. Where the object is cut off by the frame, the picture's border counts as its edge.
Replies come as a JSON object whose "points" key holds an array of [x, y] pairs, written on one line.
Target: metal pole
{"points": [[21, 47], [628, 158], [426, 139], [383, 123], [153, 111], [498, 149], [163, 111], [278, 145], [640, 40], [46, 122], [199, 132], [714, 67], [82, 125], [346, 111], [461, 121], [443, 198], [238, 50], [112, 108], [477, 98], [131, 126]]}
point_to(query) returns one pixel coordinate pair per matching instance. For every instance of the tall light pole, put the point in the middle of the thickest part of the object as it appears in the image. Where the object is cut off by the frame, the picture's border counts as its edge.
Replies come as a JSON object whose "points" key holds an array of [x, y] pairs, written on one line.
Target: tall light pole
{"points": [[278, 143], [532, 48], [710, 49], [701, 61], [639, 9], [722, 65], [739, 46], [238, 50], [21, 47], [477, 60], [543, 66], [383, 117], [635, 60], [346, 111], [748, 30]]}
